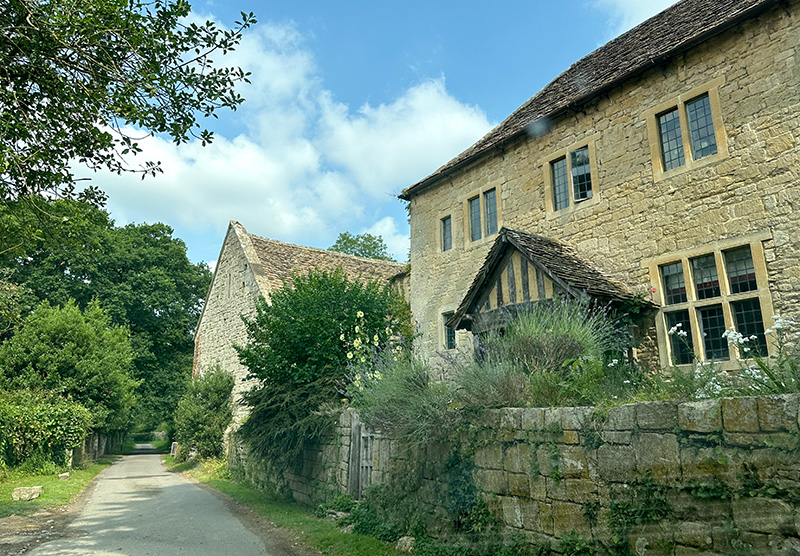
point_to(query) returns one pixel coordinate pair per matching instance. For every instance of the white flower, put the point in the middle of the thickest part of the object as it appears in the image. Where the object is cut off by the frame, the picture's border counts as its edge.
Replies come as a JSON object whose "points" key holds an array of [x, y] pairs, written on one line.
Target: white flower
{"points": [[349, 355], [613, 362], [360, 314], [341, 337], [682, 333], [674, 329]]}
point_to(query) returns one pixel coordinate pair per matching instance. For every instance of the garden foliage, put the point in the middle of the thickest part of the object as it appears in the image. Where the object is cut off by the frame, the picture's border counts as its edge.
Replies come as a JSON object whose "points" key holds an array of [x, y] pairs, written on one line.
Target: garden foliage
{"points": [[74, 355], [37, 429], [203, 414], [299, 346]]}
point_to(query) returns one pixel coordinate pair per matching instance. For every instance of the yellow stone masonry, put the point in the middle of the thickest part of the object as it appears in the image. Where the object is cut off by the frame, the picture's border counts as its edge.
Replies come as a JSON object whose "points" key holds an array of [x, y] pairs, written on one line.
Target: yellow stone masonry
{"points": [[638, 212]]}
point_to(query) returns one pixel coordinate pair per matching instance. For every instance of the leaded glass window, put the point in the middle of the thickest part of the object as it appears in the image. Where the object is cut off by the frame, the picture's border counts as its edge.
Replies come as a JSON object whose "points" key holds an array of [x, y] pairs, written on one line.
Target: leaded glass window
{"points": [[740, 269], [712, 326], [490, 207], [447, 234], [560, 184], [680, 336], [701, 127], [475, 219], [674, 284], [581, 174], [669, 131], [747, 316], [704, 273], [449, 333]]}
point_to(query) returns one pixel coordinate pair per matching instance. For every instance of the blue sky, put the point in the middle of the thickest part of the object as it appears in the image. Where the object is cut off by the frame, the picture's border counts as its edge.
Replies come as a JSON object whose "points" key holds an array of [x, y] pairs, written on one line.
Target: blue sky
{"points": [[349, 103]]}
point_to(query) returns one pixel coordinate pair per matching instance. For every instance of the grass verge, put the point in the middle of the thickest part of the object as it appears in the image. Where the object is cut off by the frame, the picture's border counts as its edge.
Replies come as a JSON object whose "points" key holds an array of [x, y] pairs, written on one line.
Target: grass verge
{"points": [[56, 491], [321, 534]]}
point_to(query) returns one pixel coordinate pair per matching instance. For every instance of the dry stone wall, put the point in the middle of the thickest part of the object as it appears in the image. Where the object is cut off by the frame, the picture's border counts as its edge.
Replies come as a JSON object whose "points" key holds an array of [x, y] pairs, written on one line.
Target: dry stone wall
{"points": [[665, 478], [709, 477], [633, 216]]}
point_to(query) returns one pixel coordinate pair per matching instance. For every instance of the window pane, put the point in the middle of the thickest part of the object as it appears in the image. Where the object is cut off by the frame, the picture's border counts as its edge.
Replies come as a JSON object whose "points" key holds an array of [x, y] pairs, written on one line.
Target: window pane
{"points": [[560, 184], [581, 174], [475, 219], [669, 130], [704, 272], [447, 234], [681, 338], [490, 204], [712, 326], [741, 272], [747, 316], [701, 127], [674, 285], [449, 333]]}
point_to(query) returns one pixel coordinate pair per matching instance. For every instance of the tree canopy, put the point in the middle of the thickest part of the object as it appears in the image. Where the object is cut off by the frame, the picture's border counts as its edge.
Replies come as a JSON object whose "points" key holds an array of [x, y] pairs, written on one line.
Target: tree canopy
{"points": [[299, 347], [362, 245], [139, 274], [76, 76], [79, 356]]}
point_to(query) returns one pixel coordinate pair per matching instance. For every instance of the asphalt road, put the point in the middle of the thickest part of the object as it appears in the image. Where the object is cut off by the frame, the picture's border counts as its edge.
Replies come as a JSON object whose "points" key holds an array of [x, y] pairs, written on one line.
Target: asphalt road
{"points": [[138, 508]]}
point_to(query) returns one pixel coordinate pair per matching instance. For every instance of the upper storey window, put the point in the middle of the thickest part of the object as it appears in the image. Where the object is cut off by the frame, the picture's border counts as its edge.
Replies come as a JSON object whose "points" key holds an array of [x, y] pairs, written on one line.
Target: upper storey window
{"points": [[571, 177], [701, 133], [687, 131], [482, 215], [447, 233]]}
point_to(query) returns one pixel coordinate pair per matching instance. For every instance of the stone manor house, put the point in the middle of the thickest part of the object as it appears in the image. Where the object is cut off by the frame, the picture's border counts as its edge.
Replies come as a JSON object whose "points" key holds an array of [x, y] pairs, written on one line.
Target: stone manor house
{"points": [[664, 164]]}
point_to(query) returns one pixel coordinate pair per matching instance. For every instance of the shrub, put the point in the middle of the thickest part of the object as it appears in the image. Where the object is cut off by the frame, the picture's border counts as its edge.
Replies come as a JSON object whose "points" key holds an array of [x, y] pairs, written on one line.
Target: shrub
{"points": [[203, 414], [37, 429], [298, 348], [77, 355], [547, 335], [495, 384], [400, 398]]}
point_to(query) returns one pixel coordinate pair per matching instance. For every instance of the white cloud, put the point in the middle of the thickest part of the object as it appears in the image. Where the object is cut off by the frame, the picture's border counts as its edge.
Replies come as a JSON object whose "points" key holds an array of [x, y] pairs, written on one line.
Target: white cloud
{"points": [[396, 241], [306, 167], [626, 14]]}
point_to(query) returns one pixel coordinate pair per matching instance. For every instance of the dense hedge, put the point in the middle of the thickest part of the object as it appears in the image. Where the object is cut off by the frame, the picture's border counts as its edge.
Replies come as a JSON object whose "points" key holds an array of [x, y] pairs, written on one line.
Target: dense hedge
{"points": [[39, 427]]}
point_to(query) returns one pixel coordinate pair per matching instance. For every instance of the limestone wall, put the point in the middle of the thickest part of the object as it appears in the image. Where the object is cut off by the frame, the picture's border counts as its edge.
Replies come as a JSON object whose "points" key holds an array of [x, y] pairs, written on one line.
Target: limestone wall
{"points": [[709, 477], [233, 293], [326, 468], [637, 214]]}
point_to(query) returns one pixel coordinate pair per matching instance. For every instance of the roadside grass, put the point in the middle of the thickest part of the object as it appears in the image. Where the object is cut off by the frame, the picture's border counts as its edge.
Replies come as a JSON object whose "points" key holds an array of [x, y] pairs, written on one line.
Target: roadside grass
{"points": [[321, 534], [57, 492]]}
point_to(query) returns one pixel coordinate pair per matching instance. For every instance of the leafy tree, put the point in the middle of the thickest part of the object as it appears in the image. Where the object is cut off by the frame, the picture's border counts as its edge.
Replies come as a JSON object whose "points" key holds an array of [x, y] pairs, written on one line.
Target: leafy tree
{"points": [[139, 274], [298, 348], [75, 74], [80, 356], [301, 334], [361, 245], [203, 414]]}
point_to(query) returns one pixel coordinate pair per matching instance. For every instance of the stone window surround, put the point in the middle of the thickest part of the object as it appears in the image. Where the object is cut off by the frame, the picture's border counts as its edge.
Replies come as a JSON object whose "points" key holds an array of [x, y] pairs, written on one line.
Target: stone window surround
{"points": [[444, 314], [480, 194], [755, 241], [442, 218], [589, 142], [651, 117]]}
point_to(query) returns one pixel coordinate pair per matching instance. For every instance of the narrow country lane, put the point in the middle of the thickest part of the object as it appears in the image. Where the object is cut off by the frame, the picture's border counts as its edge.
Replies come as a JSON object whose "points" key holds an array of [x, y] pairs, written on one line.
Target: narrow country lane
{"points": [[138, 508]]}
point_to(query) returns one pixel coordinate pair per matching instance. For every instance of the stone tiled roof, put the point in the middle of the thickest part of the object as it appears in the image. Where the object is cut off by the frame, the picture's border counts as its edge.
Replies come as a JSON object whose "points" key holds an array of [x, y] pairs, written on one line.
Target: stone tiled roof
{"points": [[658, 39], [278, 261], [558, 261]]}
